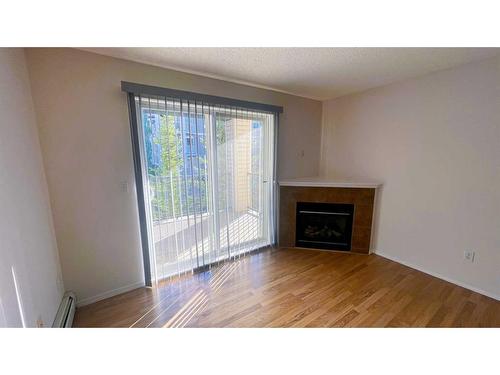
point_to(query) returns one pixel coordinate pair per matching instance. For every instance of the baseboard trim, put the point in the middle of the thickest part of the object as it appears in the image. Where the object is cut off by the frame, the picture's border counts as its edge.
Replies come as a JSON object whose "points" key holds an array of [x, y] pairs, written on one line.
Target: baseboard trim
{"points": [[439, 276], [108, 294]]}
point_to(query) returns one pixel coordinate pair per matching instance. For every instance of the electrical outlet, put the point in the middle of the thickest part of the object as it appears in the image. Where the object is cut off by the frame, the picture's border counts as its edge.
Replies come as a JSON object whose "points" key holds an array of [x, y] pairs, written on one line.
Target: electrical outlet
{"points": [[124, 186], [469, 255], [39, 322]]}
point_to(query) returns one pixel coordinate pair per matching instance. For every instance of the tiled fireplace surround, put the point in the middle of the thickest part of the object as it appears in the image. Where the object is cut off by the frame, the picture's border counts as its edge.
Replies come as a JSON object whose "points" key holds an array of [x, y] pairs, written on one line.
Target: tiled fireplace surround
{"points": [[361, 195]]}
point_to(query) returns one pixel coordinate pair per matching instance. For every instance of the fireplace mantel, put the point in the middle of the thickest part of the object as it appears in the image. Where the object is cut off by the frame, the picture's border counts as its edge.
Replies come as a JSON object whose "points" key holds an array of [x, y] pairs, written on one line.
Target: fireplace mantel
{"points": [[330, 182]]}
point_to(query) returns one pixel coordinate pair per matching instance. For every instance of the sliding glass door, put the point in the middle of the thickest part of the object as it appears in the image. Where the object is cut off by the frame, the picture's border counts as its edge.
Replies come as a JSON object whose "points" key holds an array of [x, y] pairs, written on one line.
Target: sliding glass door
{"points": [[208, 181]]}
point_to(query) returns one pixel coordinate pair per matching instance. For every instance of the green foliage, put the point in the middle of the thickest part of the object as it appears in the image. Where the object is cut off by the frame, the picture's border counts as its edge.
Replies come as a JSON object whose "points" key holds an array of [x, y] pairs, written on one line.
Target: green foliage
{"points": [[220, 130], [173, 193], [165, 179], [170, 154]]}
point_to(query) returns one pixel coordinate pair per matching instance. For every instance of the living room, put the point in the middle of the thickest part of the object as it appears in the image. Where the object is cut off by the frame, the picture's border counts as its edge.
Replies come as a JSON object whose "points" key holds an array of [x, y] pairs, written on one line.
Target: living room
{"points": [[250, 187]]}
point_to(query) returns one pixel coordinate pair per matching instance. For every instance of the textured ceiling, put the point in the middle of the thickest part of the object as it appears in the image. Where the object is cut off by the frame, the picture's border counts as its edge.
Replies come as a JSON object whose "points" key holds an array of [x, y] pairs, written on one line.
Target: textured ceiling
{"points": [[319, 73]]}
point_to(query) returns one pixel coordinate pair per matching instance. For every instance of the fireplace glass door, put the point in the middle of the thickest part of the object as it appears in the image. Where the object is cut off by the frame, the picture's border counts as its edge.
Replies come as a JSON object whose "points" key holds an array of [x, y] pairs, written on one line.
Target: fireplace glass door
{"points": [[324, 225]]}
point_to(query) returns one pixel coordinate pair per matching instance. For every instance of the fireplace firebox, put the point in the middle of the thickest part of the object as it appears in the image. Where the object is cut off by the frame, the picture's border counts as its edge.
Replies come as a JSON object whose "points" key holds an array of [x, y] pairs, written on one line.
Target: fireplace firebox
{"points": [[324, 225]]}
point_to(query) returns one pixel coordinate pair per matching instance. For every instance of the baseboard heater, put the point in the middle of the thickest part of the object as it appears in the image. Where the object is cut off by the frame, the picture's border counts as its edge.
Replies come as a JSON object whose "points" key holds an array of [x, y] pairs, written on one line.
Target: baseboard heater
{"points": [[66, 311]]}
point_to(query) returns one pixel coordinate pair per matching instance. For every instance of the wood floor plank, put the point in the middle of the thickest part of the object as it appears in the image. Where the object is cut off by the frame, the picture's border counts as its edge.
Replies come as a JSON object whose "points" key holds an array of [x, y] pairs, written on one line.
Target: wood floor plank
{"points": [[298, 288]]}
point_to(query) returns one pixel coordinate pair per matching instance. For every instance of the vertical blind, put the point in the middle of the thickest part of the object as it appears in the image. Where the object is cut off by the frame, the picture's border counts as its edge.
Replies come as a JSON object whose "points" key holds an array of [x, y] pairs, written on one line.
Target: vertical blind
{"points": [[208, 179]]}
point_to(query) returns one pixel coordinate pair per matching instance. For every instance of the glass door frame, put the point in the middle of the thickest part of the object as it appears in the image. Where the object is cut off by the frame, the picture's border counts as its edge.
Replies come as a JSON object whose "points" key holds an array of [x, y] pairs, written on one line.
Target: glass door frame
{"points": [[133, 90]]}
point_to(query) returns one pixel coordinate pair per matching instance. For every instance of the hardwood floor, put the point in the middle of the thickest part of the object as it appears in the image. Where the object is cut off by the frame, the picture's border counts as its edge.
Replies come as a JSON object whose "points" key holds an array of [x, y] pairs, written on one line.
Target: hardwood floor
{"points": [[298, 288]]}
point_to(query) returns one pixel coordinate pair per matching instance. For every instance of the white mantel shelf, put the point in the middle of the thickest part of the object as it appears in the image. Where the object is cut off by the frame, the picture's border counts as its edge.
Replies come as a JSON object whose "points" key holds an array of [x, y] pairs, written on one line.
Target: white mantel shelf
{"points": [[329, 182]]}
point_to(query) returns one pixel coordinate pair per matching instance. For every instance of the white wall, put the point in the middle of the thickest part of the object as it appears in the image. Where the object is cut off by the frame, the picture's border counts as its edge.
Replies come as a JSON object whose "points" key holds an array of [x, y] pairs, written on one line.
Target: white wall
{"points": [[85, 138], [27, 238], [434, 142]]}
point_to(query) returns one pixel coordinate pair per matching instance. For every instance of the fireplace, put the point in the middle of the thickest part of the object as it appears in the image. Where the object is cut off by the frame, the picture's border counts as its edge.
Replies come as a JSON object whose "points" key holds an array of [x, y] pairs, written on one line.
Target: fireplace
{"points": [[324, 225]]}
